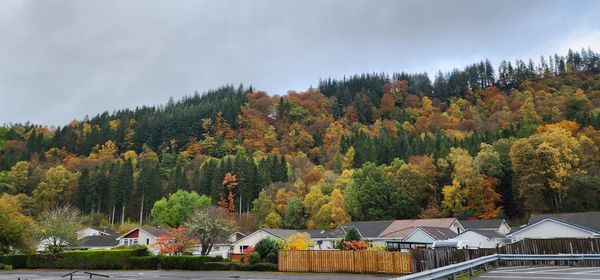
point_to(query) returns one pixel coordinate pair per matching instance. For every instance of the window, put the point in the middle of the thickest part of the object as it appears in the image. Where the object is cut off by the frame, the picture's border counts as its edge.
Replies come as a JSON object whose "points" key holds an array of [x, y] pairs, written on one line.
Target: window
{"points": [[243, 248], [126, 242], [147, 241]]}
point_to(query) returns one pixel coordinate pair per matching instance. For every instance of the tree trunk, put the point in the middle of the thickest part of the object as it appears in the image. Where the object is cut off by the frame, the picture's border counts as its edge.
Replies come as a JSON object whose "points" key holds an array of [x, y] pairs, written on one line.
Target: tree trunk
{"points": [[142, 210], [123, 213]]}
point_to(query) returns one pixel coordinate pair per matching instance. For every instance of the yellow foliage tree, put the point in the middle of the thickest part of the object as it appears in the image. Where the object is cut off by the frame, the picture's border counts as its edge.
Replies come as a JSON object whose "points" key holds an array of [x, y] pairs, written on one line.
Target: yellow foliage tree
{"points": [[298, 241]]}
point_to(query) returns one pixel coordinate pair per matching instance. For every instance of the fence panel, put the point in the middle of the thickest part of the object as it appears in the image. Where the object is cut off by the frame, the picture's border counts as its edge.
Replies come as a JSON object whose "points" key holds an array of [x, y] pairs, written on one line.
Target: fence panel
{"points": [[345, 261]]}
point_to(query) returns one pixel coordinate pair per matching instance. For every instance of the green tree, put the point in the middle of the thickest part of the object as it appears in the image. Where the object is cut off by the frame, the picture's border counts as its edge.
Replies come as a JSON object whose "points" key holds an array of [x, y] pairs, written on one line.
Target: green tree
{"points": [[174, 210], [294, 216], [58, 228], [17, 233], [207, 225], [352, 235]]}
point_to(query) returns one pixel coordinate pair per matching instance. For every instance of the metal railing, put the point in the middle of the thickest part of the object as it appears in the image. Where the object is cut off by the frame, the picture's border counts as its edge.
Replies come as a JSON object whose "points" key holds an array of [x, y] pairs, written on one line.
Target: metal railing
{"points": [[90, 274], [453, 269]]}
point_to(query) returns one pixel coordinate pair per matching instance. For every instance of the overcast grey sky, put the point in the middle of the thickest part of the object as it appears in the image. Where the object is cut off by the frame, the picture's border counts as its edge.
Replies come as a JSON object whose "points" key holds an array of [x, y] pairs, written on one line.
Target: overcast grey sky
{"points": [[62, 60]]}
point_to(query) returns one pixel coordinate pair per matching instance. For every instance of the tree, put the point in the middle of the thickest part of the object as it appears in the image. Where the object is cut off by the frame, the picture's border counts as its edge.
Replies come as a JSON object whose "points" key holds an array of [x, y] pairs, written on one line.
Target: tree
{"points": [[294, 215], [333, 213], [272, 220], [176, 242], [174, 210], [373, 196], [17, 233], [352, 235], [207, 225], [57, 188], [262, 207], [58, 228], [229, 182]]}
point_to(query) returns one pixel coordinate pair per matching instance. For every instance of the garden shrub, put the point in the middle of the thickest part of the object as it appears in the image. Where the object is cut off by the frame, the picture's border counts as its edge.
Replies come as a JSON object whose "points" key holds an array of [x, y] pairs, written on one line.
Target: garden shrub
{"points": [[268, 249], [217, 266], [254, 258], [8, 267]]}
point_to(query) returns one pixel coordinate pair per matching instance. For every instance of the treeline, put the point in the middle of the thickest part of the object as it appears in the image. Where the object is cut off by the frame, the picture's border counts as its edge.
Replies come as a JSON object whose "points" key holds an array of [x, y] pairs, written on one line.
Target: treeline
{"points": [[481, 142]]}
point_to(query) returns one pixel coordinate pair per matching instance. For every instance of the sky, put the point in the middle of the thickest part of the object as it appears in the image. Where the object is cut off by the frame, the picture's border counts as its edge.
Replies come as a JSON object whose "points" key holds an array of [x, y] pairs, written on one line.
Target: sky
{"points": [[62, 60]]}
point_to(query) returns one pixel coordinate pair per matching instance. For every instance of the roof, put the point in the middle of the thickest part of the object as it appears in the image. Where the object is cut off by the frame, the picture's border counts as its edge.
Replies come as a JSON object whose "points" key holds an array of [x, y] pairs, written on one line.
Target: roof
{"points": [[486, 233], [99, 241], [402, 224], [281, 233], [589, 220], [438, 232], [569, 224], [482, 224], [154, 231], [225, 239]]}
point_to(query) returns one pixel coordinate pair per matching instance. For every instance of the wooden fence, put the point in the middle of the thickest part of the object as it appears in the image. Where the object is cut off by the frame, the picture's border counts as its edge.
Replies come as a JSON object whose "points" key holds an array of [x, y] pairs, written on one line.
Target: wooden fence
{"points": [[345, 261], [425, 259]]}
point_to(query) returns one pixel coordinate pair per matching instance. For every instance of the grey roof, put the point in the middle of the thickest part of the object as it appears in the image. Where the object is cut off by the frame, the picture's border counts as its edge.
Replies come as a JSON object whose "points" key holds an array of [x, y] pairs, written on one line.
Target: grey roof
{"points": [[487, 233], [106, 230], [439, 233], [156, 232], [481, 224], [99, 241], [589, 220], [332, 233], [281, 233]]}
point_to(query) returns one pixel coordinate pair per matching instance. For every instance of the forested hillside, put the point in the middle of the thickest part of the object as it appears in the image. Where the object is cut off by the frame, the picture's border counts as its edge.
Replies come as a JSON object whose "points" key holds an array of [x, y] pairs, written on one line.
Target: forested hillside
{"points": [[480, 142]]}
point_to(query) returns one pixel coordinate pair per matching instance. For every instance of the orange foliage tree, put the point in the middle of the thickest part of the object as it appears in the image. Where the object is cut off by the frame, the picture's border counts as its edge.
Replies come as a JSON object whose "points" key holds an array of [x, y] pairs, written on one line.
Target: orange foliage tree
{"points": [[229, 182], [174, 243]]}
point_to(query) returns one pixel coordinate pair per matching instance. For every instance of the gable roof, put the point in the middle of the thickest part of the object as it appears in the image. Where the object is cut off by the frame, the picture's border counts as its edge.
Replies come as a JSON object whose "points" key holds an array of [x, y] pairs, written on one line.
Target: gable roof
{"points": [[579, 227], [486, 233], [482, 224], [154, 231], [402, 224], [589, 220], [438, 232], [281, 233], [98, 241]]}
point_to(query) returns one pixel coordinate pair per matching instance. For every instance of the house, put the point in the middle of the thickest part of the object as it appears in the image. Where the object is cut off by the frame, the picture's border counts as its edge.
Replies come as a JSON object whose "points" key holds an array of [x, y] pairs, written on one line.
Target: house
{"points": [[222, 246], [240, 246], [498, 225], [96, 238], [561, 225], [394, 234], [142, 236], [483, 238]]}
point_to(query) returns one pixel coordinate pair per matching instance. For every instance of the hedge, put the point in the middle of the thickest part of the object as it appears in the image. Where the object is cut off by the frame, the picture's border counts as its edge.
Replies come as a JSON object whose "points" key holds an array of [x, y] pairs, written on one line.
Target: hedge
{"points": [[146, 262], [17, 261], [93, 259], [183, 262]]}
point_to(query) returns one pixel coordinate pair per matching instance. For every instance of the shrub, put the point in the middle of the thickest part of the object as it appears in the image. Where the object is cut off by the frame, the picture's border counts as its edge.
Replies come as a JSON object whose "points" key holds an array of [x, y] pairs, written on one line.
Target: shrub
{"points": [[183, 262], [8, 267], [17, 261], [268, 249], [217, 266], [254, 258], [219, 259], [146, 262], [1, 266], [256, 267]]}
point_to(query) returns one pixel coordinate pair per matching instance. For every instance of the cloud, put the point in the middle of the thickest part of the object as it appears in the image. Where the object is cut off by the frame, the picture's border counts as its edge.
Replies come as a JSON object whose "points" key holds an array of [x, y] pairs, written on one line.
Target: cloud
{"points": [[67, 59]]}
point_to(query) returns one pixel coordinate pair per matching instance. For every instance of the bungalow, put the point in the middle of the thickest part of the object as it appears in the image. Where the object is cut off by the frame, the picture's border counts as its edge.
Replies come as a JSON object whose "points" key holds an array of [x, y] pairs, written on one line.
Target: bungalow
{"points": [[394, 234], [142, 236], [94, 231], [96, 238], [221, 246], [498, 225], [483, 238], [561, 225], [240, 246]]}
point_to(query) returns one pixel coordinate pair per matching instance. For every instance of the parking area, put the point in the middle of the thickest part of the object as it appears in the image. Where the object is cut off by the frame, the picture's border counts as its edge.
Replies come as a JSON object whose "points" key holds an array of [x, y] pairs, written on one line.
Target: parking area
{"points": [[542, 273], [187, 275]]}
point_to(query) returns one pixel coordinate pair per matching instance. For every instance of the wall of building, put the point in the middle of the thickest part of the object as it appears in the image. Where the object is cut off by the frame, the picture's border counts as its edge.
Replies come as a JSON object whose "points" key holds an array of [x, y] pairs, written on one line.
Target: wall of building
{"points": [[550, 229], [250, 240]]}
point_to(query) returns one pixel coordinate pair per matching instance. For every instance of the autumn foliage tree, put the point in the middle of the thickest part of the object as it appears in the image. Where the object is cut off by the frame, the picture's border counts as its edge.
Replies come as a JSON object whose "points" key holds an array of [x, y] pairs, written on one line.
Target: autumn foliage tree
{"points": [[176, 242]]}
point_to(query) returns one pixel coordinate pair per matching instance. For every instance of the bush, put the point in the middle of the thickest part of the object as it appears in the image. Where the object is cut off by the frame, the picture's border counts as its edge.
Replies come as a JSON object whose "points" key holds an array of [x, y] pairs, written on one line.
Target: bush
{"points": [[254, 258], [219, 259], [94, 259], [257, 267], [1, 266], [268, 249], [184, 262], [146, 262], [16, 261], [217, 266], [8, 267]]}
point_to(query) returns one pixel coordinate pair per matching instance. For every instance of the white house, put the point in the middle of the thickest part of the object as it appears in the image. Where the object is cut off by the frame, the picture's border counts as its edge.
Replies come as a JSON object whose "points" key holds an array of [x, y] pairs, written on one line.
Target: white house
{"points": [[240, 246], [498, 225], [222, 246], [94, 231], [142, 236], [552, 228], [483, 238]]}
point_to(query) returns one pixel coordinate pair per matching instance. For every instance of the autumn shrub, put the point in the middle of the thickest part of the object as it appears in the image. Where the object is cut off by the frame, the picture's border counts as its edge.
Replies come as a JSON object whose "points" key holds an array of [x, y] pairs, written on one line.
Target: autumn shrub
{"points": [[355, 245]]}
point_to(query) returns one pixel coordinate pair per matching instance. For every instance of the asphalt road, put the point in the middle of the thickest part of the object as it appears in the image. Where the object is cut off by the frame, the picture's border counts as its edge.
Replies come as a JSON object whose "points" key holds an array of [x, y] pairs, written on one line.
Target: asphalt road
{"points": [[542, 273], [187, 275]]}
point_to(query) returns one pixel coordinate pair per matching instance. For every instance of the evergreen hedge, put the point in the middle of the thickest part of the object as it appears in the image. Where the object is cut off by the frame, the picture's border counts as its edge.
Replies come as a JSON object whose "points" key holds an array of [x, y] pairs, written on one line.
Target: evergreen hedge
{"points": [[17, 261]]}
